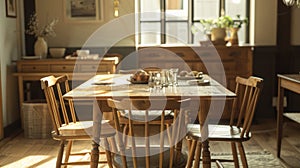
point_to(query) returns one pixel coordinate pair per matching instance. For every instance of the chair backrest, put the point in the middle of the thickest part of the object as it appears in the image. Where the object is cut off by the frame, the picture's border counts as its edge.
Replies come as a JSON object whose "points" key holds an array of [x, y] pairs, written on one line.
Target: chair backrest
{"points": [[54, 88], [136, 151], [248, 92]]}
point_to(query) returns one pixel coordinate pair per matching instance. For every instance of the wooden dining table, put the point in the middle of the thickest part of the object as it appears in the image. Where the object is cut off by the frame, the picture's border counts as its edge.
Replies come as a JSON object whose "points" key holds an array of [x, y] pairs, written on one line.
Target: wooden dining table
{"points": [[101, 87], [287, 82]]}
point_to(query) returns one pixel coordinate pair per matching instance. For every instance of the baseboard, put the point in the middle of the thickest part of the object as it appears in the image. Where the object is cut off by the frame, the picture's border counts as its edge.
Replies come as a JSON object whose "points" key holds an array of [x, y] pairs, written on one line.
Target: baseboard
{"points": [[10, 132], [12, 128]]}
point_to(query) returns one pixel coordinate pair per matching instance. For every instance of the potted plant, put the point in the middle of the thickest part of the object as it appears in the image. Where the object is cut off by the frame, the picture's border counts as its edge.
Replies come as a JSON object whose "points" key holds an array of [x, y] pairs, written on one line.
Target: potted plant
{"points": [[215, 29], [40, 32], [218, 32], [234, 27]]}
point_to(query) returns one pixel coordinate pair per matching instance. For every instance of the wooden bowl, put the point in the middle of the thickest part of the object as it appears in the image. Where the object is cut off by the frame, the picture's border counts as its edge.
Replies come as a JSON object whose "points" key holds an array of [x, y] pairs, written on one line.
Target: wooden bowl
{"points": [[57, 52]]}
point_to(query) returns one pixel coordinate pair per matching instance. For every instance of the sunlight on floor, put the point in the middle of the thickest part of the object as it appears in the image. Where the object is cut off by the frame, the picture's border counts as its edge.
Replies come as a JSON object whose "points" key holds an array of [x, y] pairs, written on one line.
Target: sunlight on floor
{"points": [[33, 161]]}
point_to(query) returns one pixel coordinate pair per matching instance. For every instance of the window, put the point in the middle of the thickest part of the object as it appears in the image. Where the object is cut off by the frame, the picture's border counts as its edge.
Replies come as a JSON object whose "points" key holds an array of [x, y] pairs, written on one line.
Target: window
{"points": [[170, 21]]}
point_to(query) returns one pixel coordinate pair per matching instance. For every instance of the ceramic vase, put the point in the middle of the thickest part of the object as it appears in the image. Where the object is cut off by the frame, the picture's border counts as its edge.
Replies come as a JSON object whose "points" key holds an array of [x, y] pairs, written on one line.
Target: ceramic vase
{"points": [[234, 40], [41, 47], [218, 36]]}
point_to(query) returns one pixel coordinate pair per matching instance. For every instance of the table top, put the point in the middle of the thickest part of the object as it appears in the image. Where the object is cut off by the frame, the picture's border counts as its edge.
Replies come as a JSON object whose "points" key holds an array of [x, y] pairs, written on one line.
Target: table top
{"points": [[290, 77], [101, 87]]}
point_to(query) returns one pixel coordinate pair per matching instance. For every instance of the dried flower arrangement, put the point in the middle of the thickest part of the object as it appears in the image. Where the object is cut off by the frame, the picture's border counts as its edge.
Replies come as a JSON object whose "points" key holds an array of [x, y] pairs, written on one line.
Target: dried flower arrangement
{"points": [[44, 31]]}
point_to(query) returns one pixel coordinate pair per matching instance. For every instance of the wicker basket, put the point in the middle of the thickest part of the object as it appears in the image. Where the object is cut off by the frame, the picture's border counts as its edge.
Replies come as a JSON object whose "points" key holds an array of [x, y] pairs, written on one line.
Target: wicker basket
{"points": [[37, 120]]}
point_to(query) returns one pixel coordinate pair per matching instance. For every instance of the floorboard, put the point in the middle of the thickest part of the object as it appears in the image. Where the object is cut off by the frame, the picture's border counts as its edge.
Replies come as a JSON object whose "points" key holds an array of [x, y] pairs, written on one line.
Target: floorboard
{"points": [[17, 151]]}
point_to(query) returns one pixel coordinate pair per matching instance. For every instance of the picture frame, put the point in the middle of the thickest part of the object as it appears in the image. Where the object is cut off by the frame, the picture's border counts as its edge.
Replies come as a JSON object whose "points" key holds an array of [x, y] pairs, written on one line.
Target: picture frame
{"points": [[83, 10], [11, 8]]}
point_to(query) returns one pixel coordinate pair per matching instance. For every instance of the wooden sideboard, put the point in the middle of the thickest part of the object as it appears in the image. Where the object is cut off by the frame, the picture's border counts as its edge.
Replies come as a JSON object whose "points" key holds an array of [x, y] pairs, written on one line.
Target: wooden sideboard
{"points": [[234, 60], [79, 70], [216, 61]]}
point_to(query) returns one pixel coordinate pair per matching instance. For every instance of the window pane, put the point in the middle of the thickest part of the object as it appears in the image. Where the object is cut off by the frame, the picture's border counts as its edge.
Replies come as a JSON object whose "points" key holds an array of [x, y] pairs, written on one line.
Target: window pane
{"points": [[177, 10], [177, 32], [206, 9], [199, 34], [150, 33], [150, 10], [237, 7]]}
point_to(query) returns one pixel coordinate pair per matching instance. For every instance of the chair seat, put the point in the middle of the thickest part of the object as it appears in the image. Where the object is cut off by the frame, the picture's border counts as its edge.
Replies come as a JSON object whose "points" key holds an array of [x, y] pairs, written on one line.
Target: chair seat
{"points": [[84, 129], [138, 116], [218, 132], [154, 158]]}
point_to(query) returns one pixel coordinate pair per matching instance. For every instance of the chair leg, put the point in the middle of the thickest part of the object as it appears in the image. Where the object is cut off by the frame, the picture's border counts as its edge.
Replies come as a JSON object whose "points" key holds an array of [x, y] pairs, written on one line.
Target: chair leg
{"points": [[198, 154], [113, 144], [68, 152], [60, 154], [234, 155], [108, 153], [125, 133], [191, 153], [94, 155], [242, 154], [169, 132]]}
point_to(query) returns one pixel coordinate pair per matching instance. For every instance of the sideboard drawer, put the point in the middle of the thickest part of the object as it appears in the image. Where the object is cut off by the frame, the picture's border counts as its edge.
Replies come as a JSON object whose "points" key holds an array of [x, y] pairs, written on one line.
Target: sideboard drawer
{"points": [[88, 68], [102, 67], [35, 68], [62, 68], [232, 54]]}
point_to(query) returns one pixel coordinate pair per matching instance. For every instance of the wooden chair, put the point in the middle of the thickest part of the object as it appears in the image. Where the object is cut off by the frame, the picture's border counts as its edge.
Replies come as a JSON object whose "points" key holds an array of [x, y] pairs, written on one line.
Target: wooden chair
{"points": [[238, 130], [152, 151], [65, 124], [169, 115]]}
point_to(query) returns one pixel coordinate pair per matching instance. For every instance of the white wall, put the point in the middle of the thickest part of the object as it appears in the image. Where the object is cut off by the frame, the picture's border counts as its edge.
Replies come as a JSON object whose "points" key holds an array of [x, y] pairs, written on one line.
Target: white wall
{"points": [[76, 33], [9, 49], [72, 34], [263, 22]]}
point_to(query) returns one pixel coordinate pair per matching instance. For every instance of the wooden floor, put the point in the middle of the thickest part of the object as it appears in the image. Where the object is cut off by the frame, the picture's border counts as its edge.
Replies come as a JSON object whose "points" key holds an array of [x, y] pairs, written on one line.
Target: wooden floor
{"points": [[265, 135], [18, 151]]}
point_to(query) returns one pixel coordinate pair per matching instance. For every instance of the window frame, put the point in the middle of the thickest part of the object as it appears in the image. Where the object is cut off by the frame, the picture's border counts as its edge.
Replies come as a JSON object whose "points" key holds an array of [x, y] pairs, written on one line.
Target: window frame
{"points": [[190, 20]]}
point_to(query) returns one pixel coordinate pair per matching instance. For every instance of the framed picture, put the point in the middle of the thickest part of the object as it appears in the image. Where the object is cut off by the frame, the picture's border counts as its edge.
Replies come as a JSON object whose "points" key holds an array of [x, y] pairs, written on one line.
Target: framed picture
{"points": [[83, 10], [11, 8]]}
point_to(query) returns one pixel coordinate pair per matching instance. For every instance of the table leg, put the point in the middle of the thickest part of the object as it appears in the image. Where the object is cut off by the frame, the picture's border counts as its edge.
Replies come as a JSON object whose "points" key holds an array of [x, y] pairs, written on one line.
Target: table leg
{"points": [[204, 107], [279, 116], [94, 155], [206, 160], [97, 118]]}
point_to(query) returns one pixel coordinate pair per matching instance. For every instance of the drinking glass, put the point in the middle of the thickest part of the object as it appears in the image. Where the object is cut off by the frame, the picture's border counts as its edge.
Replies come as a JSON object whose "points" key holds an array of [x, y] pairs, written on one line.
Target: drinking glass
{"points": [[164, 77], [172, 76], [154, 79]]}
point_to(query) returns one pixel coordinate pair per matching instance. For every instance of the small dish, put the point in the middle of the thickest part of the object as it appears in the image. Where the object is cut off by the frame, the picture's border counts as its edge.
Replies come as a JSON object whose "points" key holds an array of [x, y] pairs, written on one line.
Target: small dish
{"points": [[31, 57], [103, 83], [188, 77], [137, 82], [201, 82]]}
